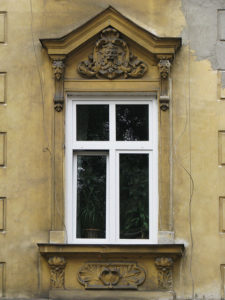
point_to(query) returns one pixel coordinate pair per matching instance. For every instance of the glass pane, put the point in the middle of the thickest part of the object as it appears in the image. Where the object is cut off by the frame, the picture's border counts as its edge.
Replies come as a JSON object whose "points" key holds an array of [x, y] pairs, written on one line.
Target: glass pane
{"points": [[132, 122], [134, 196], [92, 122], [91, 196]]}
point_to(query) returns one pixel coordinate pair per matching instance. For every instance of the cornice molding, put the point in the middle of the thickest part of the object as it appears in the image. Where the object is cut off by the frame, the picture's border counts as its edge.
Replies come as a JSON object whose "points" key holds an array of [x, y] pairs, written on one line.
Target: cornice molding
{"points": [[111, 17]]}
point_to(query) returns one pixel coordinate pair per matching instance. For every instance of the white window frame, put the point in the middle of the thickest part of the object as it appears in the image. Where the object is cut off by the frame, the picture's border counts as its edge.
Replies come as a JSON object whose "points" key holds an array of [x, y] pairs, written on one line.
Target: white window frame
{"points": [[114, 147]]}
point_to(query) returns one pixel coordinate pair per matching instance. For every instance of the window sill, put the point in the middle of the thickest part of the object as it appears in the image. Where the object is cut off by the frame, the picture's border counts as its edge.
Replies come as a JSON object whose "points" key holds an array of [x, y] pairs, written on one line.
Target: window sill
{"points": [[173, 250]]}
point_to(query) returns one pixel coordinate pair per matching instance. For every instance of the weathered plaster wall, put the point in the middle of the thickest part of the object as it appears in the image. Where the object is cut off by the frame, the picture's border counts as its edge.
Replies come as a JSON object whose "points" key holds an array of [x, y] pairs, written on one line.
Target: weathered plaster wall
{"points": [[198, 114]]}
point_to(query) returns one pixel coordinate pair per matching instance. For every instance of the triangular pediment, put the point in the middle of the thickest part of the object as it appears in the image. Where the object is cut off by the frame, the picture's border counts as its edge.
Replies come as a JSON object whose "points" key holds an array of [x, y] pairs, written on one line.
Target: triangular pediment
{"points": [[111, 18]]}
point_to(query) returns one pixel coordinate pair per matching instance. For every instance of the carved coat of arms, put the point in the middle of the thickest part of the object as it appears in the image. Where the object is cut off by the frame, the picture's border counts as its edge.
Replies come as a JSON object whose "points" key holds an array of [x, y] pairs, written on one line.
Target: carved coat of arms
{"points": [[111, 59]]}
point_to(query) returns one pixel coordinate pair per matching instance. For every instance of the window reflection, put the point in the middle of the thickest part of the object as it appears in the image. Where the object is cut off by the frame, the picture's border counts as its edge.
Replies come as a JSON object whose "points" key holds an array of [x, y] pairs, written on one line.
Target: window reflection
{"points": [[92, 122], [91, 196], [132, 122]]}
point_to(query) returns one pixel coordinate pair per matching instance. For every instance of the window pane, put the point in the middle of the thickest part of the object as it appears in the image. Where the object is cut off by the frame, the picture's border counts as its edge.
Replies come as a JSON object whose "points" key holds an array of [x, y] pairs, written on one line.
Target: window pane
{"points": [[132, 122], [91, 196], [92, 122], [134, 196]]}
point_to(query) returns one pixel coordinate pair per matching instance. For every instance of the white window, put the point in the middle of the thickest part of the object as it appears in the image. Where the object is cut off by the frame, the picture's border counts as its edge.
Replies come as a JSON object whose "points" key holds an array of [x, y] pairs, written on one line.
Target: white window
{"points": [[111, 169]]}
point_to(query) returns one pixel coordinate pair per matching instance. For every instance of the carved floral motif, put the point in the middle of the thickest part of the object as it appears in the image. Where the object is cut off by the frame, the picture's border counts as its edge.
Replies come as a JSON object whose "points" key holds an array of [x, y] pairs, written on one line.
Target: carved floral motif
{"points": [[112, 275], [57, 271], [164, 266], [111, 59], [164, 68]]}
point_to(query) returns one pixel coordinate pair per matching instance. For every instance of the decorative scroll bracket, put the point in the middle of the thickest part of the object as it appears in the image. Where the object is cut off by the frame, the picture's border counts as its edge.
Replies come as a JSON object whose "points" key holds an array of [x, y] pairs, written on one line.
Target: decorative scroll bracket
{"points": [[58, 67], [57, 272], [164, 66], [164, 266]]}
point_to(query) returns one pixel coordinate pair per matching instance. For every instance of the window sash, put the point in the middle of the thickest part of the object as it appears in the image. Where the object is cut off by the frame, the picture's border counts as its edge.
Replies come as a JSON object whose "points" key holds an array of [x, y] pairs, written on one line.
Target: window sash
{"points": [[114, 148], [74, 204]]}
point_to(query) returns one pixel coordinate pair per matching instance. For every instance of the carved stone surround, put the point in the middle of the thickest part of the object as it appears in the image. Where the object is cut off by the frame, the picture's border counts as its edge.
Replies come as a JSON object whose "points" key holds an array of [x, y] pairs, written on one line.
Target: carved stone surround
{"points": [[113, 69], [111, 57]]}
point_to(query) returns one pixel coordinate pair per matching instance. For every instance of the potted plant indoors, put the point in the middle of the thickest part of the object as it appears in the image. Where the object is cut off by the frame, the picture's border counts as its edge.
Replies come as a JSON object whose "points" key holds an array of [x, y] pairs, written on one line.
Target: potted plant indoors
{"points": [[134, 194], [91, 199]]}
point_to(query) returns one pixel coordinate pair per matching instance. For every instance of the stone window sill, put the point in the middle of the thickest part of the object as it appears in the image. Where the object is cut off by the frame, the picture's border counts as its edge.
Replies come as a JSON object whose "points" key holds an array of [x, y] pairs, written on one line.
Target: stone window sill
{"points": [[172, 250]]}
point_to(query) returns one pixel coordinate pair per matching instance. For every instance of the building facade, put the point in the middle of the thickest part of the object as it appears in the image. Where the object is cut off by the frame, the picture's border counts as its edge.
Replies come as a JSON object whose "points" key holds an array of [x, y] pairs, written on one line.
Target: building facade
{"points": [[112, 157]]}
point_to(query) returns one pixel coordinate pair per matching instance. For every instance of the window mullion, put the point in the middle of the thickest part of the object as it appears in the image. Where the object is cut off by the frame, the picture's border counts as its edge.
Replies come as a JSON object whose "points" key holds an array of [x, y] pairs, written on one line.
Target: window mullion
{"points": [[111, 213], [74, 205], [112, 122], [112, 196]]}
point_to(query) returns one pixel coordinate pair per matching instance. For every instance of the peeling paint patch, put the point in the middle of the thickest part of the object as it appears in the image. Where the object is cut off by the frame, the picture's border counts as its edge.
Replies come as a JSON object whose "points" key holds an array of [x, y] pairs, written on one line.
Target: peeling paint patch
{"points": [[223, 79], [201, 32], [221, 24]]}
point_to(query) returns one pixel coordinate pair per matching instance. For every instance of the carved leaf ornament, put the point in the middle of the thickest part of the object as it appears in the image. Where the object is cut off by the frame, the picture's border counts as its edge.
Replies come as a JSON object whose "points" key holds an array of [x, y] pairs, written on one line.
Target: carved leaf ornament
{"points": [[112, 59], [165, 278], [111, 275], [57, 271]]}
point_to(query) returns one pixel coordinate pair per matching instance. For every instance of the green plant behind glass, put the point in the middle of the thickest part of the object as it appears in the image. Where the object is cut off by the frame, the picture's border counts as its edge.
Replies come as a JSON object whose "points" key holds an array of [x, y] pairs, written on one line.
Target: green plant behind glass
{"points": [[134, 195], [91, 193]]}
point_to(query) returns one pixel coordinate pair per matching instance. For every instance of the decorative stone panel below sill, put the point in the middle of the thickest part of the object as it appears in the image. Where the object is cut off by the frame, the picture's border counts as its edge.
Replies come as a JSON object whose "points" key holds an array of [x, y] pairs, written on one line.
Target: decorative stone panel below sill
{"points": [[137, 271]]}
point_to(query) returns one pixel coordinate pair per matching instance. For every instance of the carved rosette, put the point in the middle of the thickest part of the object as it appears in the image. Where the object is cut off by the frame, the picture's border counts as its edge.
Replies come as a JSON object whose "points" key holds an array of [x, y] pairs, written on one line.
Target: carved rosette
{"points": [[57, 272], [58, 67], [114, 275], [112, 59], [164, 266]]}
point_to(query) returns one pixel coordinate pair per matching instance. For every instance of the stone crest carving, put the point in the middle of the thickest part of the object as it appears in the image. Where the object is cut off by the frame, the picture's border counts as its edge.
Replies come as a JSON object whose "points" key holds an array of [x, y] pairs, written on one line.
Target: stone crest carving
{"points": [[112, 59], [164, 266], [113, 275], [57, 271]]}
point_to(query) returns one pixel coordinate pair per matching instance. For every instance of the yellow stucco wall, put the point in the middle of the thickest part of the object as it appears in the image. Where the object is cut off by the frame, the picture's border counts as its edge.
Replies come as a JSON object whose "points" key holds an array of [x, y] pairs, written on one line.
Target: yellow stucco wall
{"points": [[26, 184]]}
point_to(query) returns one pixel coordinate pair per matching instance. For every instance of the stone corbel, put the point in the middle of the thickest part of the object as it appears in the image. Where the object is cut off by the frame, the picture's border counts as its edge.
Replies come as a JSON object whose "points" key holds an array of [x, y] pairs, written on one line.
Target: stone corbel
{"points": [[58, 67], [164, 266], [164, 70], [57, 266]]}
